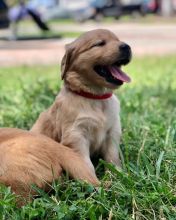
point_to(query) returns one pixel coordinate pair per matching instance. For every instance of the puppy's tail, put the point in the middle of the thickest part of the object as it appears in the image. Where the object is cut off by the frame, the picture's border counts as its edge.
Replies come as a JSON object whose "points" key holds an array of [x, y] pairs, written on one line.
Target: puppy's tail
{"points": [[76, 166]]}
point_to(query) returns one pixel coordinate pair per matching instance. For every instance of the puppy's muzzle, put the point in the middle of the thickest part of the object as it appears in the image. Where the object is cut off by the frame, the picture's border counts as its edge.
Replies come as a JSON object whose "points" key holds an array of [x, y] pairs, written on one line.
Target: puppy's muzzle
{"points": [[112, 72]]}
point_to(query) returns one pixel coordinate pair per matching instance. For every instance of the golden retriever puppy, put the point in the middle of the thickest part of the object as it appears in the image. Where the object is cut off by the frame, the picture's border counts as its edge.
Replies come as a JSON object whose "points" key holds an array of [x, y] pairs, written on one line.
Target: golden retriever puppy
{"points": [[85, 114], [27, 158]]}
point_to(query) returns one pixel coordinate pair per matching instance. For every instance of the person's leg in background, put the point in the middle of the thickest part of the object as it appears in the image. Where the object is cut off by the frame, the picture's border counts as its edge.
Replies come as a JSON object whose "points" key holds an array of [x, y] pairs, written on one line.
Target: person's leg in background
{"points": [[16, 14]]}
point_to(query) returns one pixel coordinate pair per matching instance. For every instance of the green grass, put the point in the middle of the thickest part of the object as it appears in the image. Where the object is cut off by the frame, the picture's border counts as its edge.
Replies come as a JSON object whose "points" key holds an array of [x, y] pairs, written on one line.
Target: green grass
{"points": [[50, 34], [146, 188], [57, 25], [33, 31]]}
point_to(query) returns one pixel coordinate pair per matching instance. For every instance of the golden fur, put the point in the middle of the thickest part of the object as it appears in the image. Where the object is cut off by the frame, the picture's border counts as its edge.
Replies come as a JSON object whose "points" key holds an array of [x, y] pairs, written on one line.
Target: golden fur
{"points": [[88, 126], [27, 158]]}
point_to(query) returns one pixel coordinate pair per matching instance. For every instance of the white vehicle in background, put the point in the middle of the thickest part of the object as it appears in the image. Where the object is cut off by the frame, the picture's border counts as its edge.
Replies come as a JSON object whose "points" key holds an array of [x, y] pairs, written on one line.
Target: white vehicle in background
{"points": [[77, 9], [81, 10]]}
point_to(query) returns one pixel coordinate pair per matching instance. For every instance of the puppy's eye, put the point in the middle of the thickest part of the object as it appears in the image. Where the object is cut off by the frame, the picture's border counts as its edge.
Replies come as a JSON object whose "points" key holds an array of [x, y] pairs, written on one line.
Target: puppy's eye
{"points": [[99, 43]]}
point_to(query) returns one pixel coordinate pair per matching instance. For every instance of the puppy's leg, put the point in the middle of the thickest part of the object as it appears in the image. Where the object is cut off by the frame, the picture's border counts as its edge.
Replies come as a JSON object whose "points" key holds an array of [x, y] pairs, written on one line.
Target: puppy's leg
{"points": [[110, 149], [112, 155], [76, 140]]}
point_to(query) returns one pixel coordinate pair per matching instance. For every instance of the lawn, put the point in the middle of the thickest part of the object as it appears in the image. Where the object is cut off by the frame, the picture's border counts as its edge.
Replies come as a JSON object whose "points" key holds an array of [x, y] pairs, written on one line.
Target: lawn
{"points": [[146, 188]]}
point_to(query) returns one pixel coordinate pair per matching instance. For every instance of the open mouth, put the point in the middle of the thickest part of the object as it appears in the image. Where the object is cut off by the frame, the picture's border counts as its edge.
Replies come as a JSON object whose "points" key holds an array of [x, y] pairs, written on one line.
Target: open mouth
{"points": [[113, 73]]}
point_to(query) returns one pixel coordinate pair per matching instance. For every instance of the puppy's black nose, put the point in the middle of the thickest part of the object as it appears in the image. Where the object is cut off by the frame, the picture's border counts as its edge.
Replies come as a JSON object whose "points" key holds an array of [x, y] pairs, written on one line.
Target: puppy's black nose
{"points": [[125, 53], [125, 48]]}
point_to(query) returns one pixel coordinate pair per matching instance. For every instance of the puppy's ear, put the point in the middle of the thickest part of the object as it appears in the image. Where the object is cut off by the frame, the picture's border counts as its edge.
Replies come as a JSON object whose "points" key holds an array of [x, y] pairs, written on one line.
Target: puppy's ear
{"points": [[66, 60]]}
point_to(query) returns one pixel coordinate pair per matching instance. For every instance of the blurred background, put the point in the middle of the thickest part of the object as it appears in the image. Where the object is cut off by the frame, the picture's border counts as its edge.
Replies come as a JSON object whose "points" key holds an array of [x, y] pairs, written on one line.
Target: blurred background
{"points": [[29, 27]]}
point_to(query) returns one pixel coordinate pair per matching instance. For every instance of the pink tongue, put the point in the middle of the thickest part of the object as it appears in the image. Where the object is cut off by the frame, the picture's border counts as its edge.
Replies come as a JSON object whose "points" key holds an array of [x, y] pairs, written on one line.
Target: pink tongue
{"points": [[119, 74]]}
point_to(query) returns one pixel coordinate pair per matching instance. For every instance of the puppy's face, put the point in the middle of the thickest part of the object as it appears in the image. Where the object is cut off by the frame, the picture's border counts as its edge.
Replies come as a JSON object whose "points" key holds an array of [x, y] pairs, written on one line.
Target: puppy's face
{"points": [[96, 58]]}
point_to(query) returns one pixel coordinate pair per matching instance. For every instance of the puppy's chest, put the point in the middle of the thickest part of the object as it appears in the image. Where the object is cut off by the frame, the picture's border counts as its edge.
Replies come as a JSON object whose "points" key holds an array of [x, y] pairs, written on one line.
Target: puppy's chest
{"points": [[95, 126]]}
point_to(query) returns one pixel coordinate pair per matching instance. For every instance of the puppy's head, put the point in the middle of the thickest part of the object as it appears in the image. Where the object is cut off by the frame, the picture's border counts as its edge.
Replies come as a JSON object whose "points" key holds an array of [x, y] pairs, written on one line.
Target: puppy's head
{"points": [[94, 60]]}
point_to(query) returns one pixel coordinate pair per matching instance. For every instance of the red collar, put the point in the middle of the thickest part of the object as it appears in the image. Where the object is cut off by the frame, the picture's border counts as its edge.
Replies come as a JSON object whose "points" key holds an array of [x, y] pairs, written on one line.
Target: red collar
{"points": [[92, 96]]}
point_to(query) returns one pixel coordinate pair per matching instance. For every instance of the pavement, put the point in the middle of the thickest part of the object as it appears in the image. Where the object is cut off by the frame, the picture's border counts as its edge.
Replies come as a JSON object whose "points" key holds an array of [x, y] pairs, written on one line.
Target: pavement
{"points": [[145, 39]]}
